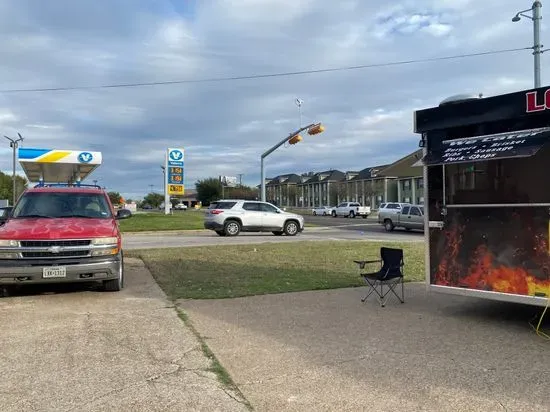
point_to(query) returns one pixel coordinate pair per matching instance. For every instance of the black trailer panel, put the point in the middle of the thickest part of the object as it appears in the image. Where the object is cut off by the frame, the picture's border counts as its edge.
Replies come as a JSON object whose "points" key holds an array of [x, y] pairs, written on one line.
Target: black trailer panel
{"points": [[487, 221]]}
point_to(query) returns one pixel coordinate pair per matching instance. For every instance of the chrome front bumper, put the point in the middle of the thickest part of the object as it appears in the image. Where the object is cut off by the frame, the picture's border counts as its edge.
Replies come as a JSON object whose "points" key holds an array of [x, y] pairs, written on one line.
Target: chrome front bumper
{"points": [[31, 271]]}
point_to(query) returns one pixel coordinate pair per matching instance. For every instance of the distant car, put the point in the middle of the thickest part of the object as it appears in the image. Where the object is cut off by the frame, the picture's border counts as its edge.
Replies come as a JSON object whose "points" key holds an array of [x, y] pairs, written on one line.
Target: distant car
{"points": [[230, 217], [408, 217], [322, 210], [180, 206], [351, 209]]}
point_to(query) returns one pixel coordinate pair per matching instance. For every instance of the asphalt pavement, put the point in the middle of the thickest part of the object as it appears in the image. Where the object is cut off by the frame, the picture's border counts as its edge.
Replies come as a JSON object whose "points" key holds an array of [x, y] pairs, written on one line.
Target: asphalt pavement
{"points": [[79, 349], [326, 228], [328, 351]]}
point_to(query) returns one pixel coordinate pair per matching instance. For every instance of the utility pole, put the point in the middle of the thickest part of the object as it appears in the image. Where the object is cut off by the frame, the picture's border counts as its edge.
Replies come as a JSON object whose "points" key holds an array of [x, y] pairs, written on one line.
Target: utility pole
{"points": [[240, 179], [536, 17], [163, 179], [14, 144]]}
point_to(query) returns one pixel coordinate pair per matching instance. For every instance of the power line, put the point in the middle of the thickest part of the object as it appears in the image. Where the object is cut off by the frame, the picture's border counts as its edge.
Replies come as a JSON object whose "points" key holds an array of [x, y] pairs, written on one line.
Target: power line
{"points": [[263, 76]]}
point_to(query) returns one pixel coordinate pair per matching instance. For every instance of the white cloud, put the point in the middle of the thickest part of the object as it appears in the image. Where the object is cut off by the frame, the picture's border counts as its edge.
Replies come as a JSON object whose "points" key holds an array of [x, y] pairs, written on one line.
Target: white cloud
{"points": [[225, 126]]}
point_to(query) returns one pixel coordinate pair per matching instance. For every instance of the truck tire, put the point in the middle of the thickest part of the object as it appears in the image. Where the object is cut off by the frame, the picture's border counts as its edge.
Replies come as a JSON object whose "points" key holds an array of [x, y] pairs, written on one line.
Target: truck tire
{"points": [[232, 228], [291, 228], [352, 214], [314, 213], [115, 285], [364, 216], [333, 213], [388, 225]]}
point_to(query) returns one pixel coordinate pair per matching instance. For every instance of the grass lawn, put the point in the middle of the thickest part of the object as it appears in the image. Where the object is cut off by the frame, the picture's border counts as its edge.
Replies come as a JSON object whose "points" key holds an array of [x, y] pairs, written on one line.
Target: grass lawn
{"points": [[212, 272], [139, 222]]}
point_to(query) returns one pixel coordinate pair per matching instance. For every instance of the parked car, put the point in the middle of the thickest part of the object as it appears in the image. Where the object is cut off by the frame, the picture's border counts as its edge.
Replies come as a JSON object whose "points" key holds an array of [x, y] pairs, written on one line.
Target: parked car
{"points": [[230, 217], [322, 210], [387, 211], [180, 206], [63, 234], [351, 209], [408, 217]]}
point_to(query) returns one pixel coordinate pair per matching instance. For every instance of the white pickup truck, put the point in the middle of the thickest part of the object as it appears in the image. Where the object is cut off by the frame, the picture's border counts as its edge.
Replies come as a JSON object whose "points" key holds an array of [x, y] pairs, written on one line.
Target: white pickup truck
{"points": [[351, 209]]}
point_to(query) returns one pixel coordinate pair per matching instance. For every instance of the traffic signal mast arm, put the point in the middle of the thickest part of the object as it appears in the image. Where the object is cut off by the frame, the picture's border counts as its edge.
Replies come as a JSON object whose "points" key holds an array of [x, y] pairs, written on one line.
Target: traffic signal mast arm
{"points": [[286, 139], [313, 128]]}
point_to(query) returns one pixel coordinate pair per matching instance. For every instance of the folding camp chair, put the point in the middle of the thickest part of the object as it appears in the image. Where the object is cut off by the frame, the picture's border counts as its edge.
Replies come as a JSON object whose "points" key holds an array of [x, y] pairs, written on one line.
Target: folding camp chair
{"points": [[390, 275]]}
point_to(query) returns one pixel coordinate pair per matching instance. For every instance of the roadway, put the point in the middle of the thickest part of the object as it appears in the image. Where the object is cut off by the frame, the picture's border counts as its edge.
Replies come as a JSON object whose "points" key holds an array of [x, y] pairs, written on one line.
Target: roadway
{"points": [[327, 228]]}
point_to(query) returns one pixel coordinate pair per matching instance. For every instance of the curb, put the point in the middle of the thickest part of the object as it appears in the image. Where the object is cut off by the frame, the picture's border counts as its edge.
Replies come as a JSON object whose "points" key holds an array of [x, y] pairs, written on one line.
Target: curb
{"points": [[165, 232]]}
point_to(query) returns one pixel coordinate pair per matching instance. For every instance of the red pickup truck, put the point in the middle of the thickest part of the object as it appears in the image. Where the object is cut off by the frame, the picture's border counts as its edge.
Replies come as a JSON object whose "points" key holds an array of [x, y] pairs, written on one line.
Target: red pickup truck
{"points": [[62, 234]]}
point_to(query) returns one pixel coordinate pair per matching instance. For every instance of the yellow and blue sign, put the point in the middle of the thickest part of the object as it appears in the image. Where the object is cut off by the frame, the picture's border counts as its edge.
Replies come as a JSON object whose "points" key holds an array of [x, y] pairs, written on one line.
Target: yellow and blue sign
{"points": [[59, 156], [57, 165], [175, 171]]}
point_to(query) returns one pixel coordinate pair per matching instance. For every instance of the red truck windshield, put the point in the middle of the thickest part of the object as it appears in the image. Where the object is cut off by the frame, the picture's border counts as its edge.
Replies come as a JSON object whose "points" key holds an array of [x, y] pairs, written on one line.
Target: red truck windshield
{"points": [[62, 205]]}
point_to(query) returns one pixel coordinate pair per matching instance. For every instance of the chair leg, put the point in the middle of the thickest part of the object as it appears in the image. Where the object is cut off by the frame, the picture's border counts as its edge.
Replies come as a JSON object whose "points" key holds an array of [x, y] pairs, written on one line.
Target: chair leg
{"points": [[372, 288]]}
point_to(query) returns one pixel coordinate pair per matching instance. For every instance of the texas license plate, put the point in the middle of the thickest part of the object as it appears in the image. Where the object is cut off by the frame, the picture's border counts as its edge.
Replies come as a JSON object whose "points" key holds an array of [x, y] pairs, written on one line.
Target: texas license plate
{"points": [[54, 272]]}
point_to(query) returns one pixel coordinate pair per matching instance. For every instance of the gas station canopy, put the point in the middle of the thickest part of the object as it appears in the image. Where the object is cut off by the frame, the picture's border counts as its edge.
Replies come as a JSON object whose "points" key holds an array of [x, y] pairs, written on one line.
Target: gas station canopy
{"points": [[58, 166]]}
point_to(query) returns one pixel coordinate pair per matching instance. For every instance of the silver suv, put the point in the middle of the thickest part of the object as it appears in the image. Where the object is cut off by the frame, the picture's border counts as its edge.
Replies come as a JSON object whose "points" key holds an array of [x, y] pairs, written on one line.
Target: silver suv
{"points": [[230, 217]]}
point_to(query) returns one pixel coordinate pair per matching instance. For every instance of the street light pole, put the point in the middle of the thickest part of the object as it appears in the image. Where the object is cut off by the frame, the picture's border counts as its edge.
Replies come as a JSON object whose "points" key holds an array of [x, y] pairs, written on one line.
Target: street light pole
{"points": [[537, 47], [286, 139], [14, 144], [163, 179]]}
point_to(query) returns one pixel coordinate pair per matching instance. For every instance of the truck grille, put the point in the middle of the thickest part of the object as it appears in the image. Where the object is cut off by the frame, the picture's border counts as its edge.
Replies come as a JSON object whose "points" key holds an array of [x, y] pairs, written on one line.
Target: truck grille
{"points": [[82, 248], [71, 253], [48, 243]]}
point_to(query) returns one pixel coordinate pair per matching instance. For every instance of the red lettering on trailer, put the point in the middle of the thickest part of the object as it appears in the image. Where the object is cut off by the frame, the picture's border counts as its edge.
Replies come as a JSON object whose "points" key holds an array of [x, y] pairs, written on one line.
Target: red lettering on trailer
{"points": [[532, 105]]}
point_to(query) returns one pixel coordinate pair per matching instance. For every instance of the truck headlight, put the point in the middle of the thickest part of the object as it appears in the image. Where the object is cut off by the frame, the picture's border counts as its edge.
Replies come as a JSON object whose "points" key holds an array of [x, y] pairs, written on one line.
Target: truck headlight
{"points": [[104, 241], [102, 246], [9, 243], [105, 252]]}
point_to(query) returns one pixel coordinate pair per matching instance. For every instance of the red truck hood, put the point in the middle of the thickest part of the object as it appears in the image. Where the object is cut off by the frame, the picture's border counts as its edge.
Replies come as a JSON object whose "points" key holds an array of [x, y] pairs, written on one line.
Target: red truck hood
{"points": [[65, 228]]}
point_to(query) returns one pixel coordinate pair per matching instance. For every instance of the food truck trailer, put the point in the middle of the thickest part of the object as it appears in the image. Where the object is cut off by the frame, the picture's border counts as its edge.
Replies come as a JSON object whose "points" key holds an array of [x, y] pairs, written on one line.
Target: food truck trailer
{"points": [[486, 168]]}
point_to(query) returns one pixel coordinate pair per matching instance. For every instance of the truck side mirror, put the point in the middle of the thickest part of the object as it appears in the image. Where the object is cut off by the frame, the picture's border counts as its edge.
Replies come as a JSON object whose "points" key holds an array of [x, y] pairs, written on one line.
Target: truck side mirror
{"points": [[123, 214]]}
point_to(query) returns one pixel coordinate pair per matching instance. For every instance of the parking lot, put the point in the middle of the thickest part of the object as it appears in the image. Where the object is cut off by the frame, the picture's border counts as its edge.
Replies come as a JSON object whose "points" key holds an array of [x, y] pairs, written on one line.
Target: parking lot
{"points": [[327, 351]]}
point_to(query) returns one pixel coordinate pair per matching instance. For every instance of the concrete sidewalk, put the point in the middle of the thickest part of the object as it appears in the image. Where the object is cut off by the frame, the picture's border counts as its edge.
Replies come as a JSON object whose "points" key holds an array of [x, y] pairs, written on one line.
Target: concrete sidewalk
{"points": [[327, 351], [97, 351]]}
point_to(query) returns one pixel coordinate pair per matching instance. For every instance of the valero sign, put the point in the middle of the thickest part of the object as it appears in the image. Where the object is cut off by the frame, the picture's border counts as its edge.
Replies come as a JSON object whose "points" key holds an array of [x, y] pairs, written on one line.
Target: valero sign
{"points": [[175, 171]]}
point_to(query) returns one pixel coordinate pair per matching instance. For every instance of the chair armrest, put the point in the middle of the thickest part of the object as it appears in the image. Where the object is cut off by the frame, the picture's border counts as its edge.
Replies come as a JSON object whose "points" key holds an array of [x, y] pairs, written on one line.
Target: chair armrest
{"points": [[362, 263]]}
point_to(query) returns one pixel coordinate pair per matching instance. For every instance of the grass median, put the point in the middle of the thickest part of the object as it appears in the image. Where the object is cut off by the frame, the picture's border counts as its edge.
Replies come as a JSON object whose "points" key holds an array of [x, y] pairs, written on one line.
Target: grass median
{"points": [[214, 272], [143, 222]]}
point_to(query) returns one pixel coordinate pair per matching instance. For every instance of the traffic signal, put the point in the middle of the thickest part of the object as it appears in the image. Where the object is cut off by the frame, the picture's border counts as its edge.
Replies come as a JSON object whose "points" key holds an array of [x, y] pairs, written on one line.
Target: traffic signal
{"points": [[316, 129], [295, 139]]}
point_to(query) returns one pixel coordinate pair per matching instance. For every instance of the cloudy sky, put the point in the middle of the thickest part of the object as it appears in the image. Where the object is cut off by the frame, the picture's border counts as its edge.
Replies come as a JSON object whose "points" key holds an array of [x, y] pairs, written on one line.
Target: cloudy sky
{"points": [[224, 126]]}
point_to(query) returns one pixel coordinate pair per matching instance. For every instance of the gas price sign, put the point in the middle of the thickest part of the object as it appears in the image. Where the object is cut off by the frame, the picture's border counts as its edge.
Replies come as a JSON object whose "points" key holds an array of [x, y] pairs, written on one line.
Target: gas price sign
{"points": [[174, 171]]}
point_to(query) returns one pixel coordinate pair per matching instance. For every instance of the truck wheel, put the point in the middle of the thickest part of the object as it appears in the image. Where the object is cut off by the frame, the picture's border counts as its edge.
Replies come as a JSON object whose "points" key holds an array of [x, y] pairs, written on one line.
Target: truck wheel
{"points": [[232, 228], [115, 285], [364, 216], [333, 213], [388, 225], [352, 214], [291, 228]]}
